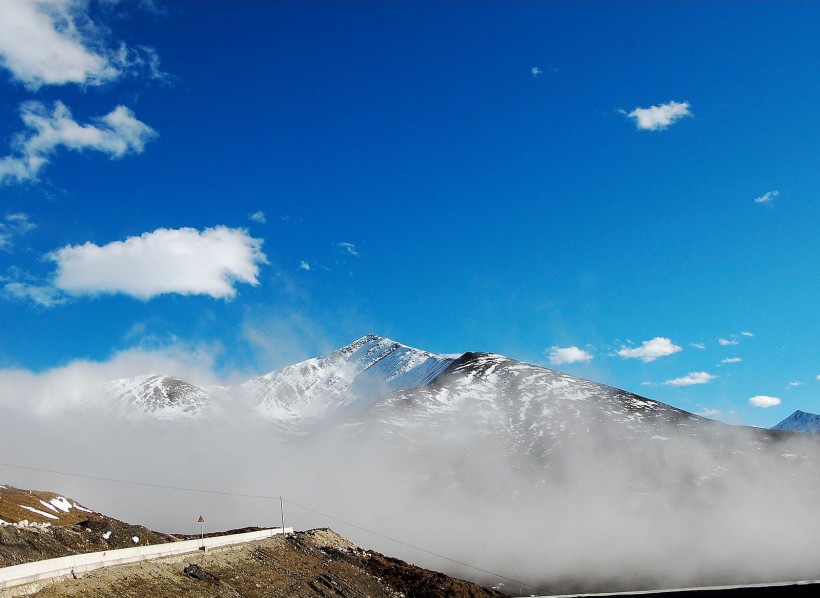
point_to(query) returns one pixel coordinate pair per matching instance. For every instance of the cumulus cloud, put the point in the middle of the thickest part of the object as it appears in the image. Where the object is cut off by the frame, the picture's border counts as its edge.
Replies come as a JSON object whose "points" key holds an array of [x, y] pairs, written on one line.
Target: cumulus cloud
{"points": [[258, 217], [53, 42], [117, 134], [657, 118], [12, 227], [348, 248], [728, 342], [184, 261], [650, 350], [303, 265], [767, 197], [691, 379], [764, 402], [731, 360], [559, 355]]}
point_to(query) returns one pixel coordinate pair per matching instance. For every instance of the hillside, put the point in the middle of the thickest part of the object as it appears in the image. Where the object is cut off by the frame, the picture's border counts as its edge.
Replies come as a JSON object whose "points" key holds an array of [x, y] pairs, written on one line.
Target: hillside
{"points": [[37, 525], [309, 564], [313, 563]]}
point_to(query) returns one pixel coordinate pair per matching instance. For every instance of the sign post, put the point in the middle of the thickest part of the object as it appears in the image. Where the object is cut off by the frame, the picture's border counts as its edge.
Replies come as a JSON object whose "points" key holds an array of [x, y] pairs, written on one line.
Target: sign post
{"points": [[201, 523]]}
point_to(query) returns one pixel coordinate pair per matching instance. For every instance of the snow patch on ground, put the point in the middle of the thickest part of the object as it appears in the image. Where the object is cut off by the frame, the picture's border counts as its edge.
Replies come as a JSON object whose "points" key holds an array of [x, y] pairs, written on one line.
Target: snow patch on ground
{"points": [[40, 513]]}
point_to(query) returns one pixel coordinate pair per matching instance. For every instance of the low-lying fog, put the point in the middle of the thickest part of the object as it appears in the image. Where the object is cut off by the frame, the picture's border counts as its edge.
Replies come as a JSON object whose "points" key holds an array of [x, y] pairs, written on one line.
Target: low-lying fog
{"points": [[599, 511]]}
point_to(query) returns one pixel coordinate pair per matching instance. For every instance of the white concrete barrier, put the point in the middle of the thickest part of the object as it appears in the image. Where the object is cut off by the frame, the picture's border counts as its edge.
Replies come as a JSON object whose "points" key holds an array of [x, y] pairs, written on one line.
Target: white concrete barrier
{"points": [[77, 564]]}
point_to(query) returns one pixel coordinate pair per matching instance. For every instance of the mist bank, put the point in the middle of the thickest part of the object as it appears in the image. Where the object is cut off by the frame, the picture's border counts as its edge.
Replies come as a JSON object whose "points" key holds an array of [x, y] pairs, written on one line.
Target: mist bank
{"points": [[592, 507]]}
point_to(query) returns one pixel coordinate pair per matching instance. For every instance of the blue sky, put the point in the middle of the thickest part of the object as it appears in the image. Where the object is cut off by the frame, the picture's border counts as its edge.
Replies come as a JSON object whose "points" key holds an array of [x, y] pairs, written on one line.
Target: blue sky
{"points": [[605, 188]]}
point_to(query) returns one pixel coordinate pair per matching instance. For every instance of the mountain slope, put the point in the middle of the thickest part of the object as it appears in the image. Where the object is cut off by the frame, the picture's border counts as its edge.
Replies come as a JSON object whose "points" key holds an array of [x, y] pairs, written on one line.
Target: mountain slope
{"points": [[348, 380], [800, 421], [163, 396]]}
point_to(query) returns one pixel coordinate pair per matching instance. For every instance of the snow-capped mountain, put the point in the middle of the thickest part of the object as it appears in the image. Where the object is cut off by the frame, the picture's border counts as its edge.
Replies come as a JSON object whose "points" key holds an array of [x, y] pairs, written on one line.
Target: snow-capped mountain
{"points": [[164, 396], [348, 380], [800, 421]]}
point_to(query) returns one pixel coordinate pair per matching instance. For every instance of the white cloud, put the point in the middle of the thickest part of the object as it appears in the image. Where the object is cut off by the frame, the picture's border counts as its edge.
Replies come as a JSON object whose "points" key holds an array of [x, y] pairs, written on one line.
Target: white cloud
{"points": [[536, 71], [258, 217], [700, 346], [559, 355], [746, 333], [767, 197], [795, 384], [648, 383], [349, 248], [731, 360], [764, 402], [48, 42], [15, 225], [184, 261], [657, 118], [707, 412], [303, 265], [727, 342], [650, 350], [691, 379], [818, 377], [117, 134]]}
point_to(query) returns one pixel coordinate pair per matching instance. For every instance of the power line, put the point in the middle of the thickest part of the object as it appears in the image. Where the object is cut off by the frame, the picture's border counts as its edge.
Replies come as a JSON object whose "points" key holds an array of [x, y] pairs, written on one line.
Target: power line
{"points": [[278, 498]]}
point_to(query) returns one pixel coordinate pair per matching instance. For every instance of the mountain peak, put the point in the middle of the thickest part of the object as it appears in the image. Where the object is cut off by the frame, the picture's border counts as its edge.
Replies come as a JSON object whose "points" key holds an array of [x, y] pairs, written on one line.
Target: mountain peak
{"points": [[800, 421], [349, 379]]}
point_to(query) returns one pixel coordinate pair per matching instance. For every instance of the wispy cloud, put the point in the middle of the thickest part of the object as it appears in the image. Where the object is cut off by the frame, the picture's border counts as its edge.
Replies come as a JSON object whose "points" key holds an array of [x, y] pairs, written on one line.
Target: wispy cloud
{"points": [[700, 346], [691, 379], [562, 355], [650, 350], [728, 342], [117, 134], [258, 217], [746, 333], [767, 197], [41, 295], [764, 402], [795, 384], [657, 118], [536, 71], [184, 261], [12, 227], [303, 265], [348, 248], [707, 412], [731, 360]]}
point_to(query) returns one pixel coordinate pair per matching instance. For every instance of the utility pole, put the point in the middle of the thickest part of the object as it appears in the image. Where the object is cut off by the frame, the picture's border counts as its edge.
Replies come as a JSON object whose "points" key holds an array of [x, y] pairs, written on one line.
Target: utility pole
{"points": [[282, 511]]}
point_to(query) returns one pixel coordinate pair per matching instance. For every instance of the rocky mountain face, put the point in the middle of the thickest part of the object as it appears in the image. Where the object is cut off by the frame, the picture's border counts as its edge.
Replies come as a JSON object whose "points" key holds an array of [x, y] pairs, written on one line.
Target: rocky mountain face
{"points": [[800, 421]]}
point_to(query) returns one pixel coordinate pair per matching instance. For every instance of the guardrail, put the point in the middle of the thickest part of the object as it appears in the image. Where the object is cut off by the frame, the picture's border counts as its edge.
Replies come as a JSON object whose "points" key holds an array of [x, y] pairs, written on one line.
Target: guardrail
{"points": [[78, 564]]}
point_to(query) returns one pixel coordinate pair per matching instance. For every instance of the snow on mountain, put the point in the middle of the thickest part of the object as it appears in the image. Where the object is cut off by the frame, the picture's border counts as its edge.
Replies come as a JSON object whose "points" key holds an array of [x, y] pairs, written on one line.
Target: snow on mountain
{"points": [[348, 380], [800, 421], [164, 396]]}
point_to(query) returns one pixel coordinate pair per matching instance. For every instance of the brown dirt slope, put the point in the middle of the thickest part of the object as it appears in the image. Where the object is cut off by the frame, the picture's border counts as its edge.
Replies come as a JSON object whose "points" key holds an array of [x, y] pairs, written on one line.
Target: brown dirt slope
{"points": [[74, 530], [308, 564]]}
